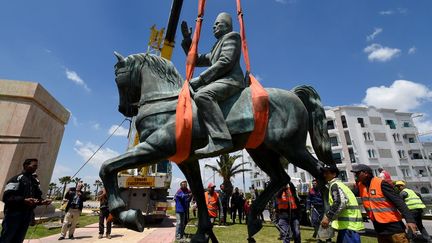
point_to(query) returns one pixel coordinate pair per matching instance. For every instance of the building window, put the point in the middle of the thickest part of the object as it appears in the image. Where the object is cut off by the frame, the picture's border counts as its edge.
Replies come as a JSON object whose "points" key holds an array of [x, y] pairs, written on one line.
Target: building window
{"points": [[343, 176], [295, 169], [396, 137], [330, 125], [367, 136], [348, 138], [411, 140], [391, 124], [351, 155], [360, 121], [405, 172], [401, 154], [371, 153], [416, 155], [333, 141], [344, 122], [424, 190], [337, 157], [406, 124]]}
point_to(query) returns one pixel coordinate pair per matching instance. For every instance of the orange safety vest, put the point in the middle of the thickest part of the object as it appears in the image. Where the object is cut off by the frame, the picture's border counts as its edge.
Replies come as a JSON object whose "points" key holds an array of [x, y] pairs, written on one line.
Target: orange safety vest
{"points": [[212, 202], [378, 207], [286, 201]]}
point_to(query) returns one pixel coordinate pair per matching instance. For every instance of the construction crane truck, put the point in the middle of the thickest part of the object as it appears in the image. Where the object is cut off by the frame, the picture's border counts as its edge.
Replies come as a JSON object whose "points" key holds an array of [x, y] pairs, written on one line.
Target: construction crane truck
{"points": [[147, 188]]}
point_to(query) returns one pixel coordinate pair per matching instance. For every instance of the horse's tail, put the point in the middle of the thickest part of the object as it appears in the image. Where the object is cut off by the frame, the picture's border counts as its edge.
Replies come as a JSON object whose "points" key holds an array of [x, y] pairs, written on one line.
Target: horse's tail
{"points": [[317, 122]]}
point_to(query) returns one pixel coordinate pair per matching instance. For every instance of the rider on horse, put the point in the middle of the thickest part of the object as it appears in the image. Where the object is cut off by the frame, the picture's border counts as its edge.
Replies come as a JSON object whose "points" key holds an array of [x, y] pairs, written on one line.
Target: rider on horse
{"points": [[221, 80]]}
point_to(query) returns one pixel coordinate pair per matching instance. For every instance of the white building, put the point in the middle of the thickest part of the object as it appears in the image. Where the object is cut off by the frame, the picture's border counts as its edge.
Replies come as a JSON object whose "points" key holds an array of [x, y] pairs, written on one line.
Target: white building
{"points": [[375, 137]]}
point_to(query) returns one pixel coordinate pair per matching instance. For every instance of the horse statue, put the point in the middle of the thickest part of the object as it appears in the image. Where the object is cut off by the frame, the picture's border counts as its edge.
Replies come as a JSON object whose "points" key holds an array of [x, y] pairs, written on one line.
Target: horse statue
{"points": [[148, 88]]}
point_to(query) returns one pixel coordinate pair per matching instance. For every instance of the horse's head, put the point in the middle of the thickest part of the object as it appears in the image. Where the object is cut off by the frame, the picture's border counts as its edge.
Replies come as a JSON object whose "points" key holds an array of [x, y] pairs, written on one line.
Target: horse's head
{"points": [[128, 86]]}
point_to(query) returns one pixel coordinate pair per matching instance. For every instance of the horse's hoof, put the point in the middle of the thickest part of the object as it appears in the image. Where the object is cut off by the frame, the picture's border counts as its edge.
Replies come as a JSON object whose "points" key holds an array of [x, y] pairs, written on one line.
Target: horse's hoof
{"points": [[251, 240], [132, 219], [199, 238], [254, 226]]}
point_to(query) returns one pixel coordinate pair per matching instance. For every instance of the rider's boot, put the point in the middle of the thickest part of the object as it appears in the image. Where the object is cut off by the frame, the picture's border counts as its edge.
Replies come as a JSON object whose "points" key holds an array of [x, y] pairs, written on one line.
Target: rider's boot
{"points": [[215, 145]]}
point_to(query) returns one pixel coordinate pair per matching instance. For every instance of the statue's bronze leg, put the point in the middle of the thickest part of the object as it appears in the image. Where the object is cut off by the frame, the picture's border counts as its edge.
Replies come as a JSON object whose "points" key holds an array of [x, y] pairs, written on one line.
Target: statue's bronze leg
{"points": [[142, 155], [269, 162], [191, 170]]}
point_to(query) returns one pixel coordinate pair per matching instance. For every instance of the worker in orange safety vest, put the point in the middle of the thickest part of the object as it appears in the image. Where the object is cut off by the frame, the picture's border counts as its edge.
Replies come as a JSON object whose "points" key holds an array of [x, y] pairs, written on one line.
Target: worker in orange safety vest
{"points": [[383, 206], [212, 201]]}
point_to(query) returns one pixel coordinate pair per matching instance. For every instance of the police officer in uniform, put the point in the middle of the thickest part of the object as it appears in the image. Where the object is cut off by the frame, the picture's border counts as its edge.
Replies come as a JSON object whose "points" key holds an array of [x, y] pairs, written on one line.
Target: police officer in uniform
{"points": [[21, 196]]}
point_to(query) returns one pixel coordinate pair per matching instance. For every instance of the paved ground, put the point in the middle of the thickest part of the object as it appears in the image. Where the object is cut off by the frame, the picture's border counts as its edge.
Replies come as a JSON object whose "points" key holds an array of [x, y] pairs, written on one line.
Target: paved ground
{"points": [[163, 233]]}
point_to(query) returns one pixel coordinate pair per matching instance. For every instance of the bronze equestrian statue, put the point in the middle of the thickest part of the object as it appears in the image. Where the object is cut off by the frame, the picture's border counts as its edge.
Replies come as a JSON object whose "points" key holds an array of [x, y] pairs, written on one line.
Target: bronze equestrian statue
{"points": [[148, 88]]}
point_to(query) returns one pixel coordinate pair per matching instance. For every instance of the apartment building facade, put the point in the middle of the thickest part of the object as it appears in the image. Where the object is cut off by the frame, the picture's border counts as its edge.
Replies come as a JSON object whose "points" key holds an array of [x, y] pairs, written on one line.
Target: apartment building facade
{"points": [[376, 137]]}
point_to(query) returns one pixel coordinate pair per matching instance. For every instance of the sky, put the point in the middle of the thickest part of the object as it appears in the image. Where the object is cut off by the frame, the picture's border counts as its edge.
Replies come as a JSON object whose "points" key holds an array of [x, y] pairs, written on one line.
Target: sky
{"points": [[353, 52]]}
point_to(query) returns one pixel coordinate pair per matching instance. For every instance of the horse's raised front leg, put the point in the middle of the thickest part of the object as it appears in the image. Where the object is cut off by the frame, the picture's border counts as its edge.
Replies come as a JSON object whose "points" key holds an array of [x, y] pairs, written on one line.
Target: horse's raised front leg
{"points": [[191, 170], [142, 155]]}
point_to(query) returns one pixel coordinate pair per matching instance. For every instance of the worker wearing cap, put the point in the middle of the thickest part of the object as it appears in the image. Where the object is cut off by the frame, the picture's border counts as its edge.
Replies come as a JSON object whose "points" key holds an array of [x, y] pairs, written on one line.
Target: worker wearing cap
{"points": [[383, 206], [288, 210], [415, 205], [212, 201], [344, 212]]}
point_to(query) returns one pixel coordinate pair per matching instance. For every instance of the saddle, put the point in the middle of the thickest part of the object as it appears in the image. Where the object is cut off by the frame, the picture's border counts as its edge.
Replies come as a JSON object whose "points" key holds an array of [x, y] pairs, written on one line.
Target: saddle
{"points": [[237, 111]]}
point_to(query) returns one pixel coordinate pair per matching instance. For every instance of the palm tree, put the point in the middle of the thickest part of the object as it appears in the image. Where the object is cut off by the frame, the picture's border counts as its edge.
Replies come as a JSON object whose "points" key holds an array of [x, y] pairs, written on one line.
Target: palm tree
{"points": [[227, 170], [86, 186], [64, 181], [76, 180], [52, 186], [97, 184]]}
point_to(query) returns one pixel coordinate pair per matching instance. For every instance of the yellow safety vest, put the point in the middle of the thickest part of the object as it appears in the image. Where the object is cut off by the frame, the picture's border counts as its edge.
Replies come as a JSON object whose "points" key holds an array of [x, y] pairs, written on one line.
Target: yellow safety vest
{"points": [[350, 217], [413, 201]]}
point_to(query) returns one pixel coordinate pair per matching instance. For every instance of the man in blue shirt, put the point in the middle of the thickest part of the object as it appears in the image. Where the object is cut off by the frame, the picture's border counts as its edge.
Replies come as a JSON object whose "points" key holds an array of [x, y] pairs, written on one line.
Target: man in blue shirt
{"points": [[182, 198]]}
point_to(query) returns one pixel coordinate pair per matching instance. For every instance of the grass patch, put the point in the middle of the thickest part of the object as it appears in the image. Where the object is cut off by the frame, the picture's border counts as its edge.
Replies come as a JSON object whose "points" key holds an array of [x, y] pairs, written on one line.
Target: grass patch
{"points": [[41, 231], [268, 234]]}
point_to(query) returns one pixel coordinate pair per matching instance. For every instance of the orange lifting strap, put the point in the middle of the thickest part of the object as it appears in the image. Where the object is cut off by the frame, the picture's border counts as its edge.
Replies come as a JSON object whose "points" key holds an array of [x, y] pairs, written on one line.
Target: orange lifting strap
{"points": [[184, 107]]}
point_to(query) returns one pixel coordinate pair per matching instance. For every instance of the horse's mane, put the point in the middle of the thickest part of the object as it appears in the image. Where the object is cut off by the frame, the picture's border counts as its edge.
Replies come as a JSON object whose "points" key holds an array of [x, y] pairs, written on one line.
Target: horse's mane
{"points": [[161, 67]]}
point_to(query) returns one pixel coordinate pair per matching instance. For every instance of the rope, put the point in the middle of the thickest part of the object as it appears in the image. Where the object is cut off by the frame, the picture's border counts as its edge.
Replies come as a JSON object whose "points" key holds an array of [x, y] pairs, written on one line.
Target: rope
{"points": [[99, 147], [36, 225]]}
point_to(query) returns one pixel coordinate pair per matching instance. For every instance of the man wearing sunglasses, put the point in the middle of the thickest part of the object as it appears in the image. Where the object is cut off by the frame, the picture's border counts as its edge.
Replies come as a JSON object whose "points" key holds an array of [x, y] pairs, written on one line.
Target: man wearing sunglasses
{"points": [[384, 206]]}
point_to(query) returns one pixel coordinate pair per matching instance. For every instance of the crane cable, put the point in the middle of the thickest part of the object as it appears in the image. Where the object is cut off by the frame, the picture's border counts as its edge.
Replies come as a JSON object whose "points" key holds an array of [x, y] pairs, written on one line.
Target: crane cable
{"points": [[88, 160]]}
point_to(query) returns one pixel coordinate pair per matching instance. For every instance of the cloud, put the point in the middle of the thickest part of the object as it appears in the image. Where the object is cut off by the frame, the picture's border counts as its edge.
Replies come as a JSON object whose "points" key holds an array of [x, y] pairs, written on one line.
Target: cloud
{"points": [[121, 131], [402, 95], [259, 77], [424, 125], [402, 11], [74, 77], [372, 36], [85, 151], [60, 171], [387, 12], [381, 53], [73, 118], [412, 50], [96, 126]]}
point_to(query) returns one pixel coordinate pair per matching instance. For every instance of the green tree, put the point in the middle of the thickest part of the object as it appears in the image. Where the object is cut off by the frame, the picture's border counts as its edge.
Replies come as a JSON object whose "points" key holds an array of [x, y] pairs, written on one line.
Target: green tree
{"points": [[227, 170], [64, 181], [76, 180], [52, 186], [86, 187], [97, 184]]}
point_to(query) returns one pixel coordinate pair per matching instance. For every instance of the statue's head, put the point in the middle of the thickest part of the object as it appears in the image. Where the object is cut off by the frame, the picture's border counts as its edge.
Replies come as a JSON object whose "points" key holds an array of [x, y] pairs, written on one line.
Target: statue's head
{"points": [[222, 25]]}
